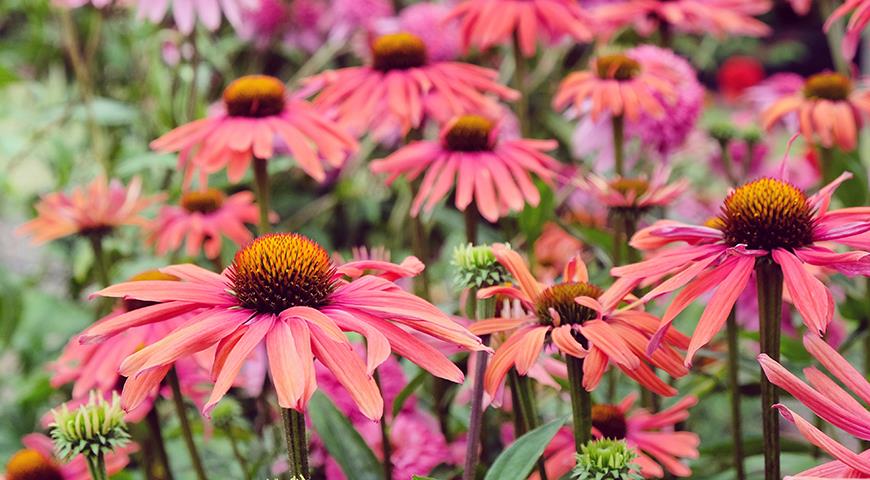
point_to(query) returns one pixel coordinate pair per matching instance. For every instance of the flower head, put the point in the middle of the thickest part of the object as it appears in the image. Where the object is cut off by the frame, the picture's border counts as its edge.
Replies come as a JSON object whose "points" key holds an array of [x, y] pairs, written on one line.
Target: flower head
{"points": [[256, 112], [829, 109], [201, 220], [493, 171], [485, 23], [766, 220], [634, 195], [37, 461], [186, 12], [827, 399], [477, 267], [284, 290], [96, 427], [579, 319], [401, 86], [605, 460], [717, 17], [93, 210]]}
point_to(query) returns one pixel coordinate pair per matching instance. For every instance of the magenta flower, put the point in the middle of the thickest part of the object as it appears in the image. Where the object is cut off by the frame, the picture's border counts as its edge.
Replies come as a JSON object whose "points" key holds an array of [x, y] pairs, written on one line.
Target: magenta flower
{"points": [[764, 220], [470, 157], [831, 402], [37, 461]]}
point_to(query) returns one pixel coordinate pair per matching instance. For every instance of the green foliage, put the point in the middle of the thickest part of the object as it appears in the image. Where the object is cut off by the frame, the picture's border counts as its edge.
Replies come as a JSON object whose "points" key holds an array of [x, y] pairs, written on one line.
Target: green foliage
{"points": [[517, 460], [342, 441]]}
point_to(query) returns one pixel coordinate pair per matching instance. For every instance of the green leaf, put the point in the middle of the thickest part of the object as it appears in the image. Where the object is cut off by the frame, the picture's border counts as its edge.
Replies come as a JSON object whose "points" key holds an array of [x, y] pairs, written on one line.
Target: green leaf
{"points": [[532, 219], [407, 391], [517, 460], [342, 441], [420, 477]]}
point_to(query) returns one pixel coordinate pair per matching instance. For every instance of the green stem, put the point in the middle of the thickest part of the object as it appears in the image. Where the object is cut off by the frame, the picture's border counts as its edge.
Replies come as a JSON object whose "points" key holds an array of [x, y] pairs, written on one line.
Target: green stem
{"points": [[523, 399], [728, 162], [484, 308], [240, 459], [471, 216], [581, 402], [386, 443], [420, 248], [100, 264], [618, 237], [768, 276], [619, 144], [520, 76], [97, 467], [261, 188], [194, 88], [297, 444], [826, 163], [186, 430], [734, 387], [160, 469]]}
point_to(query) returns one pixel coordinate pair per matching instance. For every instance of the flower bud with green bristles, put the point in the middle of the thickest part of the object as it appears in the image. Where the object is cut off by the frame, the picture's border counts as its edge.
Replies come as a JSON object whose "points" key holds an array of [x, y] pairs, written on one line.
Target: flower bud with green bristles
{"points": [[606, 459], [477, 267], [93, 429]]}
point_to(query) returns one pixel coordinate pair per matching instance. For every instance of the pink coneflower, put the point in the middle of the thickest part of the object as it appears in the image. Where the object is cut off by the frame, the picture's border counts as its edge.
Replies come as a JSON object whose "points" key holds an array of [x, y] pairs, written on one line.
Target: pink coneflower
{"points": [[766, 220], [401, 86], [37, 461], [617, 85], [485, 23], [186, 12], [635, 195], [201, 220], [650, 435], [610, 335], [827, 399], [256, 112], [346, 17], [429, 22], [284, 290], [860, 17], [717, 17], [470, 156], [829, 110], [91, 211]]}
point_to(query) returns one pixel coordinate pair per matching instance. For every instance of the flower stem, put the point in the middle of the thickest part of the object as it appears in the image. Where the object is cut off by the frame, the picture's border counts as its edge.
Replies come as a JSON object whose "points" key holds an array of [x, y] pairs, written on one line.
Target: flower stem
{"points": [[484, 308], [100, 264], [186, 430], [581, 402], [97, 467], [471, 216], [525, 411], [768, 276], [619, 144], [734, 386], [826, 164], [261, 187], [520, 78], [297, 443], [386, 444], [161, 470]]}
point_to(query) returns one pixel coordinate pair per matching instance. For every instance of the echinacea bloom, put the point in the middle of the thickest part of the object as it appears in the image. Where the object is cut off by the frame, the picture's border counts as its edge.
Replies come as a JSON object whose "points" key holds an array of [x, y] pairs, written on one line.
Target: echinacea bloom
{"points": [[257, 111], [201, 220], [401, 86], [650, 435], [635, 195], [827, 399], [38, 461], [570, 310], [485, 23], [90, 211], [829, 108], [284, 290], [860, 17], [717, 17], [766, 220], [470, 156], [617, 85], [186, 12]]}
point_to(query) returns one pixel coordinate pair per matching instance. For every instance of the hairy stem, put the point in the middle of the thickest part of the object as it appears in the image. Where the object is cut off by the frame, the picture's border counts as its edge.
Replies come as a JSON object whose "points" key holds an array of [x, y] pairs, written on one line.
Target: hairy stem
{"points": [[484, 308], [581, 402], [261, 188], [734, 389], [769, 278], [619, 144], [186, 430], [297, 444]]}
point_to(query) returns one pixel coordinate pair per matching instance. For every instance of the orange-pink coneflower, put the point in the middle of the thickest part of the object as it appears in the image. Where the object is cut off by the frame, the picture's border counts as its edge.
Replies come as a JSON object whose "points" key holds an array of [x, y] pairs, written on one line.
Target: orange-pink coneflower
{"points": [[256, 112], [717, 17], [284, 290], [201, 220], [860, 17], [470, 157], [401, 86], [829, 110], [93, 210]]}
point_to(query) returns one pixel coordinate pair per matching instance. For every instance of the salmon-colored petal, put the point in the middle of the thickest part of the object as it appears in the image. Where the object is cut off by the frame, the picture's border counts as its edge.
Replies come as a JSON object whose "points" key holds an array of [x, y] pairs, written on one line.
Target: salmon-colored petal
{"points": [[286, 366], [838, 366], [810, 297], [231, 366], [607, 339], [529, 349], [824, 442], [563, 339], [518, 269]]}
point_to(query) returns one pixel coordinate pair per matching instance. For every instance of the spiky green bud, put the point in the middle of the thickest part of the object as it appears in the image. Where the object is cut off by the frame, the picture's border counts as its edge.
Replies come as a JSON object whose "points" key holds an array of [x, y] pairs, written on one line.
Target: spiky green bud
{"points": [[94, 428], [723, 132], [226, 413], [606, 460], [751, 135], [477, 267]]}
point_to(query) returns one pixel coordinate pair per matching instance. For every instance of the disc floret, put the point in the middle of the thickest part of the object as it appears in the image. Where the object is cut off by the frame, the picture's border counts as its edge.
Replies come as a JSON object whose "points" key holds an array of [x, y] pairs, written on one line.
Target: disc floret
{"points": [[561, 298]]}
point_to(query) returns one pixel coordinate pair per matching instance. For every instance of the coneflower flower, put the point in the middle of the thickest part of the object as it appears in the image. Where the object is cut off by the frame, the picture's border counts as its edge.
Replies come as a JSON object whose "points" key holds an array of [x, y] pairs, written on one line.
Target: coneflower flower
{"points": [[90, 211], [257, 110], [829, 109], [650, 436], [470, 157], [284, 290], [201, 220], [608, 335], [827, 399], [38, 461], [717, 17], [860, 17], [485, 23], [634, 195], [766, 220], [401, 86]]}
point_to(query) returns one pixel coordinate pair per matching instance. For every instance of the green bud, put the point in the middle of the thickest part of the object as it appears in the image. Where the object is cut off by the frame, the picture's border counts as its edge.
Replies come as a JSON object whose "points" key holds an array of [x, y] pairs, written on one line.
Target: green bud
{"points": [[94, 428], [477, 267], [606, 460]]}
